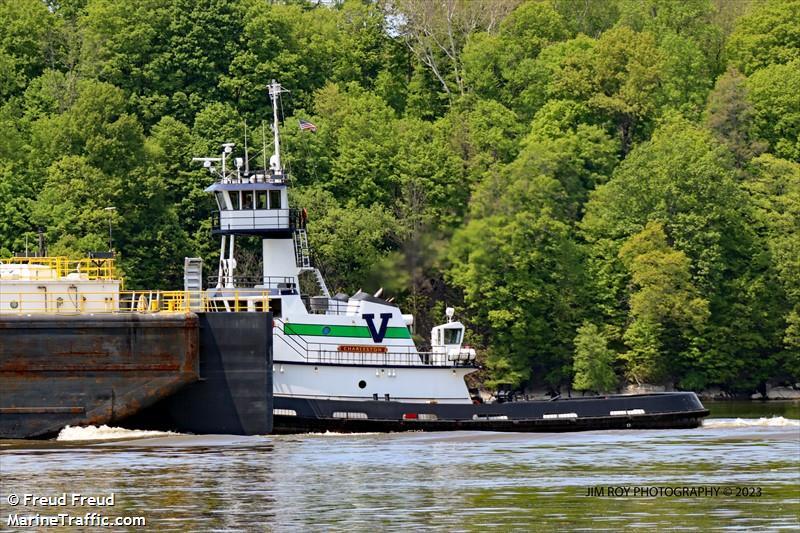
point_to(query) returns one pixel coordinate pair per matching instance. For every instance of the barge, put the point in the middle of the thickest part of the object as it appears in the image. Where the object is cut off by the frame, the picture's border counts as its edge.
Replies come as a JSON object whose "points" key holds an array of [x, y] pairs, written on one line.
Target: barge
{"points": [[76, 349]]}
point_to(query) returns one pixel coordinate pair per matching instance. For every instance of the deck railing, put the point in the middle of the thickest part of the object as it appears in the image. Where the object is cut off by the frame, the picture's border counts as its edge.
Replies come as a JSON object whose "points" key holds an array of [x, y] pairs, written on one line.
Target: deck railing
{"points": [[332, 353], [61, 267], [72, 301], [279, 284]]}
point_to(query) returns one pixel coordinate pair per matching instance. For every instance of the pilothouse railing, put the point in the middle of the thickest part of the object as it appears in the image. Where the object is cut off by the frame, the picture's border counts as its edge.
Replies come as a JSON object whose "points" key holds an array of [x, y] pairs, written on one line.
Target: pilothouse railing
{"points": [[249, 219], [276, 284]]}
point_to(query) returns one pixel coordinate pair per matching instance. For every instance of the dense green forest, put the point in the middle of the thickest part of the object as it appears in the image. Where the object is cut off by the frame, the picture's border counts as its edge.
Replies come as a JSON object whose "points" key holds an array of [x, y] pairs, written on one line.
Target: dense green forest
{"points": [[608, 191]]}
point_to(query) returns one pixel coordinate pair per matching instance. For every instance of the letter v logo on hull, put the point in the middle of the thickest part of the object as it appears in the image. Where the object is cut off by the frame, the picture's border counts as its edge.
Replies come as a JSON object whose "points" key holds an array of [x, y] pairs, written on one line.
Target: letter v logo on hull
{"points": [[380, 333]]}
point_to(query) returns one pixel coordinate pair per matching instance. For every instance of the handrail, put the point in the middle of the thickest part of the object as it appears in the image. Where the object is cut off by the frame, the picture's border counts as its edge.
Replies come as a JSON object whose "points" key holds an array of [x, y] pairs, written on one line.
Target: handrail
{"points": [[246, 219], [246, 282], [73, 301], [296, 346], [330, 353], [58, 267], [385, 358]]}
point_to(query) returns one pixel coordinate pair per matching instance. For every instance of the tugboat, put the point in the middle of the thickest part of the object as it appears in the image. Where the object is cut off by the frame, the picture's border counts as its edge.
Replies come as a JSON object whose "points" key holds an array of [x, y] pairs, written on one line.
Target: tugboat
{"points": [[348, 363]]}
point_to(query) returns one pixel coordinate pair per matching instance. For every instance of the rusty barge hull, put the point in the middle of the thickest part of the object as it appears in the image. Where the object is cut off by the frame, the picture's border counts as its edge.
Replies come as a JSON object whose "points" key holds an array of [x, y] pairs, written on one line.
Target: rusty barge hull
{"points": [[60, 370]]}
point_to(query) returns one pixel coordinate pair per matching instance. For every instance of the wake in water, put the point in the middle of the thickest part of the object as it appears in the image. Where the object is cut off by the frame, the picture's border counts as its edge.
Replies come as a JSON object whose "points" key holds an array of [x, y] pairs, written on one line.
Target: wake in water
{"points": [[775, 421], [101, 433], [104, 432]]}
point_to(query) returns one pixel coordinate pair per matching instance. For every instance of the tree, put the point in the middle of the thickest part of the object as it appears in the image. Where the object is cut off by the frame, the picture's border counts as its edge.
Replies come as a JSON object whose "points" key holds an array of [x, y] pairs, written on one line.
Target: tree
{"points": [[593, 361], [774, 92], [95, 126], [15, 193], [619, 76], [689, 20], [729, 114], [435, 32], [767, 35], [484, 133], [580, 156], [32, 40], [588, 17], [667, 314], [71, 206], [520, 274], [773, 188], [683, 180], [497, 65]]}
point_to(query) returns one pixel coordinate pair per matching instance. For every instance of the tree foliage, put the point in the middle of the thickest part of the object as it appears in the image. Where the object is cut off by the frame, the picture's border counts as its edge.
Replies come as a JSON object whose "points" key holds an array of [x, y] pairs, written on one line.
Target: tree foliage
{"points": [[767, 35], [593, 361], [603, 188]]}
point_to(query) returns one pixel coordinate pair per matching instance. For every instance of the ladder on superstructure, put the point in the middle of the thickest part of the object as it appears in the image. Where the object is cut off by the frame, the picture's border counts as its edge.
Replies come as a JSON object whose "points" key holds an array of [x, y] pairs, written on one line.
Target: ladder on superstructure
{"points": [[302, 254], [193, 282]]}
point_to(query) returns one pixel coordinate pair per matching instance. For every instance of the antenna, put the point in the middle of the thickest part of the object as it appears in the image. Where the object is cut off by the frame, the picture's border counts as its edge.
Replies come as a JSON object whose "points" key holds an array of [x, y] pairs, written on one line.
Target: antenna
{"points": [[42, 245], [246, 157], [264, 152], [227, 149]]}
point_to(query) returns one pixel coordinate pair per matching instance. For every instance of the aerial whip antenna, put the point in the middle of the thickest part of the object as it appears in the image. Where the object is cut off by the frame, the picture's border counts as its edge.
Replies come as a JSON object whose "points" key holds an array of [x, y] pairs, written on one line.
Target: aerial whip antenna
{"points": [[264, 149], [246, 156]]}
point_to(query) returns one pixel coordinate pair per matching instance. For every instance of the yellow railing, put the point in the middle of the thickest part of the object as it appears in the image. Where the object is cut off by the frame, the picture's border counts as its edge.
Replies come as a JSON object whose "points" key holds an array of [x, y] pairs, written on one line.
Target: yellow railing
{"points": [[60, 267], [75, 302]]}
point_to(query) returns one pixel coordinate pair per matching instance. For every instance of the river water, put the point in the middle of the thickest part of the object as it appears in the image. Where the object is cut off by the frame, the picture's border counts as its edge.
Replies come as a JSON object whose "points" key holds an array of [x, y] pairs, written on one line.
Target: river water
{"points": [[732, 474]]}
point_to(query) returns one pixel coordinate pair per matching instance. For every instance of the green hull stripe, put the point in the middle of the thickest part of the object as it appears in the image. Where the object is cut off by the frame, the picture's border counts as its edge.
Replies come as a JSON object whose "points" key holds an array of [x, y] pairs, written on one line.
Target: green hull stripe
{"points": [[361, 332]]}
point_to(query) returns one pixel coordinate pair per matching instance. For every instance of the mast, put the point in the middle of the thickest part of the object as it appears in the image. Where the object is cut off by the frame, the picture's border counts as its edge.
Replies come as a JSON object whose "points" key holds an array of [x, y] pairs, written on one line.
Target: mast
{"points": [[275, 90], [246, 155], [264, 148]]}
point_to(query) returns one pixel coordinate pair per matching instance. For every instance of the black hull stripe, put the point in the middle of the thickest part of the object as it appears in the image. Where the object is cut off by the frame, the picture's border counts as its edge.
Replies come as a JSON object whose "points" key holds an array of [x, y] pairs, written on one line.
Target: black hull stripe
{"points": [[662, 411], [292, 424]]}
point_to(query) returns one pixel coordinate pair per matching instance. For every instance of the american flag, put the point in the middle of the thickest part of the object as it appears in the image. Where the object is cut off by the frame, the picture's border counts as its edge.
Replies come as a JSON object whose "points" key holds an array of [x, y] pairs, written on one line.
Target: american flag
{"points": [[305, 125]]}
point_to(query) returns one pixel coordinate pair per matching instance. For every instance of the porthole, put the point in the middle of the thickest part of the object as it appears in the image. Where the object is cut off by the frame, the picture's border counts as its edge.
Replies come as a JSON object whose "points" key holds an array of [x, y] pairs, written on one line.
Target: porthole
{"points": [[326, 330], [362, 384], [14, 304]]}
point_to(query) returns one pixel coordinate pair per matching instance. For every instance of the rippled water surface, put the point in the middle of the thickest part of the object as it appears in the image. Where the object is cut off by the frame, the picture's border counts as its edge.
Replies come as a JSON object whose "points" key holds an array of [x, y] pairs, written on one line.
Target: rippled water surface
{"points": [[440, 481]]}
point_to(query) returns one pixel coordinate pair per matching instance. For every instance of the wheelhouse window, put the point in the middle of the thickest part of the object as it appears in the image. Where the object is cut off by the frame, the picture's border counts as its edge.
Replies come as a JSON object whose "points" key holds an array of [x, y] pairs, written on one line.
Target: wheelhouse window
{"points": [[221, 201], [274, 199], [261, 200], [247, 200], [452, 336], [234, 200]]}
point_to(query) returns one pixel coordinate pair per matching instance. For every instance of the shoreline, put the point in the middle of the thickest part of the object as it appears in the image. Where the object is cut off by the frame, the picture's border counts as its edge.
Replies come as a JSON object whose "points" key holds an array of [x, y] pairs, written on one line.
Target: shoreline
{"points": [[773, 394]]}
